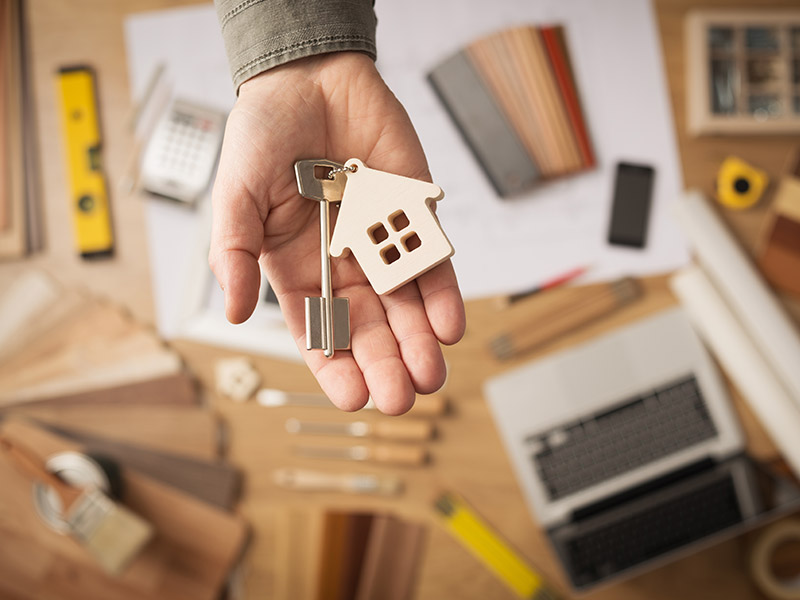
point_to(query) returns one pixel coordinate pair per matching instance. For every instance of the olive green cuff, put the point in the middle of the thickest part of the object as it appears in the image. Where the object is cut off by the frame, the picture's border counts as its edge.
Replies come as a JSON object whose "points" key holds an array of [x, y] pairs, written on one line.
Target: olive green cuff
{"points": [[261, 34]]}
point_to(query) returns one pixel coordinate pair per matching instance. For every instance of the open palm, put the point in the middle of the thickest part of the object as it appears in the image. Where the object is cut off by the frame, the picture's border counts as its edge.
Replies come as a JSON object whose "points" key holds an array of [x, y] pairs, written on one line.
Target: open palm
{"points": [[334, 106]]}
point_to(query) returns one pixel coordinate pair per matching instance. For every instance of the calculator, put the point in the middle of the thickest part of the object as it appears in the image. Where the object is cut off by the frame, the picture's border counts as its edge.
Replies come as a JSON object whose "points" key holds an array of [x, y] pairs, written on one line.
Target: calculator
{"points": [[182, 152]]}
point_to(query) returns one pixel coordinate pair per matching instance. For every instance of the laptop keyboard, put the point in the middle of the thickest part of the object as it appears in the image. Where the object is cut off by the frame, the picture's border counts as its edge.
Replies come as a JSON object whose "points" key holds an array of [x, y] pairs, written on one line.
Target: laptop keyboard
{"points": [[637, 431], [600, 552]]}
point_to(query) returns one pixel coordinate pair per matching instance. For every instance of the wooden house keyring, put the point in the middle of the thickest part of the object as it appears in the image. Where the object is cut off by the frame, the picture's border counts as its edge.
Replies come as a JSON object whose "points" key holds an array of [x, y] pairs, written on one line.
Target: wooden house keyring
{"points": [[387, 222]]}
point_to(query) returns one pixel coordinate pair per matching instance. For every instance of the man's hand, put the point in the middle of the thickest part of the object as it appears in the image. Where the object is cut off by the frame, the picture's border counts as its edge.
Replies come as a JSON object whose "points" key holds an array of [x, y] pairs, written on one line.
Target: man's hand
{"points": [[333, 106]]}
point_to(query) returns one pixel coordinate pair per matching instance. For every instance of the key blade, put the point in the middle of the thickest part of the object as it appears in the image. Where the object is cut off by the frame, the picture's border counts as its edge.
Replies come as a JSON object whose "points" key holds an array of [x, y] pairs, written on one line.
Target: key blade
{"points": [[315, 323], [319, 188], [341, 323]]}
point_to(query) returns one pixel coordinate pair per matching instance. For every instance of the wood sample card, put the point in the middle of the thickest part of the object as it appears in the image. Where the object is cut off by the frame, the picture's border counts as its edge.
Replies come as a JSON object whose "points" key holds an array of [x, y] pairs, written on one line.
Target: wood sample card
{"points": [[58, 343], [779, 252]]}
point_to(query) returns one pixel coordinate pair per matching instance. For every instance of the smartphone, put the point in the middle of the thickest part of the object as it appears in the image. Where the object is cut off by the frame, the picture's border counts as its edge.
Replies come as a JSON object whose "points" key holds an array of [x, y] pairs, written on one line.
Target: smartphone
{"points": [[633, 191]]}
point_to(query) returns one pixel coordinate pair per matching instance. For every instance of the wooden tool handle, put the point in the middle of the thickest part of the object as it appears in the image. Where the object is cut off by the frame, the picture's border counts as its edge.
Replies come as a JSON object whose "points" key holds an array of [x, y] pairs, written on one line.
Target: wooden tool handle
{"points": [[567, 318], [303, 479], [33, 466], [356, 483], [432, 405], [415, 430], [590, 306], [397, 454]]}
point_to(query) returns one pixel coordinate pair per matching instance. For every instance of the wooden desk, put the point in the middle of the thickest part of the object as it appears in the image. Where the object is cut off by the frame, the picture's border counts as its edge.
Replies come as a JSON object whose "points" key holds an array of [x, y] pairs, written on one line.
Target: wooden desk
{"points": [[90, 31]]}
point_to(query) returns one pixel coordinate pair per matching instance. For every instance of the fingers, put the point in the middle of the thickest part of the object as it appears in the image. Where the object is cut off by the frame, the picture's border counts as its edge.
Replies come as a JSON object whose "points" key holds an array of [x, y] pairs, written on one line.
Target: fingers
{"points": [[372, 367], [339, 377], [375, 350], [443, 303], [237, 234], [239, 276], [419, 348]]}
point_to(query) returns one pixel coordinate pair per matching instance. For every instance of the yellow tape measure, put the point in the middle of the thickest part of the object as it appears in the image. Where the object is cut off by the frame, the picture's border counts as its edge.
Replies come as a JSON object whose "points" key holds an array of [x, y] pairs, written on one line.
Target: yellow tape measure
{"points": [[740, 185], [486, 545], [88, 193]]}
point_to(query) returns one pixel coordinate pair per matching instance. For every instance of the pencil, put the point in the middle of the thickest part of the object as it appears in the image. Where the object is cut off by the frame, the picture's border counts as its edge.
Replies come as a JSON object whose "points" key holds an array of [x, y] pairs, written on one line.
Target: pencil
{"points": [[547, 285]]}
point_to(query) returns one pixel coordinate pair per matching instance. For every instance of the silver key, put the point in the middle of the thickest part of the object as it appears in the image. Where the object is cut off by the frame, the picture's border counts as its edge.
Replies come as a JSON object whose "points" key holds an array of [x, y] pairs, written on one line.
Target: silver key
{"points": [[327, 318]]}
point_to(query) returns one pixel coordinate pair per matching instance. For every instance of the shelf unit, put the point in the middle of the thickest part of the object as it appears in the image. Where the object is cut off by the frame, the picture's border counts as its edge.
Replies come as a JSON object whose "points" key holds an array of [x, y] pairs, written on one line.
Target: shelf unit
{"points": [[743, 71]]}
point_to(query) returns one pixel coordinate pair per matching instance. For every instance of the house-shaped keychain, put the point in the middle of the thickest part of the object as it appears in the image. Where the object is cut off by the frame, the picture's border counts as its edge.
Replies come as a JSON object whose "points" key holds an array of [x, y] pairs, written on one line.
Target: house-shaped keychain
{"points": [[387, 222]]}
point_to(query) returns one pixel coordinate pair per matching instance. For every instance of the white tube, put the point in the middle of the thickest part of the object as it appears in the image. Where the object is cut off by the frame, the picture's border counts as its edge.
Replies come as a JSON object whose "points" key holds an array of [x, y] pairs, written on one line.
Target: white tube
{"points": [[716, 324], [743, 288]]}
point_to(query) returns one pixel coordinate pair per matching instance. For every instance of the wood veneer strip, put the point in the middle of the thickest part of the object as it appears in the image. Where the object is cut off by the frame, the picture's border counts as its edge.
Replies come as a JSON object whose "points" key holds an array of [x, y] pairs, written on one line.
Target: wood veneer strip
{"points": [[533, 57], [555, 42], [487, 57]]}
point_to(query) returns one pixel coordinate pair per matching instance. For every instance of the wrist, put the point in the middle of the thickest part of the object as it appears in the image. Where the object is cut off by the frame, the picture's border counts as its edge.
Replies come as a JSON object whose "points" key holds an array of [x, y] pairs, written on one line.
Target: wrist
{"points": [[319, 68]]}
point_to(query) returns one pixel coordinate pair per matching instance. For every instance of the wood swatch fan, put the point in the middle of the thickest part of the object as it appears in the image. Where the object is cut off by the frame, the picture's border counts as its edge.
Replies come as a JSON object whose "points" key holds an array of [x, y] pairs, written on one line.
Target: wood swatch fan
{"points": [[60, 343], [514, 98]]}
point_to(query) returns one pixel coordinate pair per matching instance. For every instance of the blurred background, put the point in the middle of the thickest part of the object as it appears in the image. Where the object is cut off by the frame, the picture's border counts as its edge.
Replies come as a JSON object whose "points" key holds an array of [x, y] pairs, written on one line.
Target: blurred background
{"points": [[621, 420]]}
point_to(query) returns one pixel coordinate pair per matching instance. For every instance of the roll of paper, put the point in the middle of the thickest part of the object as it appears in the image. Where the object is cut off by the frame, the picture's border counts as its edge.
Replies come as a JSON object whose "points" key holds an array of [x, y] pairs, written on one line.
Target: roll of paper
{"points": [[719, 328], [783, 532], [743, 288]]}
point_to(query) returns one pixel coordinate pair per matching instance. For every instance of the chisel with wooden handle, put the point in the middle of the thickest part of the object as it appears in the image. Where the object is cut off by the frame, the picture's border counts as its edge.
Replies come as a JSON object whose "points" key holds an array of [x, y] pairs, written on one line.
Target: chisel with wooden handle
{"points": [[390, 454], [409, 430]]}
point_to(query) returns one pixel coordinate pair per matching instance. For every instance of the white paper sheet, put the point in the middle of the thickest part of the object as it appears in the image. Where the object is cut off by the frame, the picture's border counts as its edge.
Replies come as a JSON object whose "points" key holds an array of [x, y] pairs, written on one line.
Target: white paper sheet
{"points": [[188, 303], [501, 245], [511, 245]]}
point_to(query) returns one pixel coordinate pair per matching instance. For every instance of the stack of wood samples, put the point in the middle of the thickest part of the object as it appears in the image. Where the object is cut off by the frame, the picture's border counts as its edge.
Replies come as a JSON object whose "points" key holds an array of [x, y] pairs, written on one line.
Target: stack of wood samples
{"points": [[78, 373], [514, 98], [366, 556], [66, 345], [197, 541], [19, 222]]}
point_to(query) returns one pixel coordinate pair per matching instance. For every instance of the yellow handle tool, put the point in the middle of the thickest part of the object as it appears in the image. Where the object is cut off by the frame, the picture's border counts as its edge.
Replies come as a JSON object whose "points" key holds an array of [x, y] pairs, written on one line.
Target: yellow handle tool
{"points": [[486, 546], [82, 143]]}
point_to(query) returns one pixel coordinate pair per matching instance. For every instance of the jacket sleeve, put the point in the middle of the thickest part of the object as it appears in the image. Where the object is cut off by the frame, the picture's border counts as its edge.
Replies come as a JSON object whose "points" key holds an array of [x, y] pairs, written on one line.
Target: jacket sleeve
{"points": [[261, 34]]}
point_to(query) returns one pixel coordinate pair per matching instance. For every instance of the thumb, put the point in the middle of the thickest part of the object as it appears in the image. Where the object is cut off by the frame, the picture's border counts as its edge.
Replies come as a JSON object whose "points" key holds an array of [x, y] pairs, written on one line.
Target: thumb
{"points": [[237, 234]]}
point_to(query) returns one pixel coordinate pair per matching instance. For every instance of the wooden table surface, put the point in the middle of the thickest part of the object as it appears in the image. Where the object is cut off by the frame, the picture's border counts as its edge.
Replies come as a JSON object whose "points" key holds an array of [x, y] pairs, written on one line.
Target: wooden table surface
{"points": [[467, 455]]}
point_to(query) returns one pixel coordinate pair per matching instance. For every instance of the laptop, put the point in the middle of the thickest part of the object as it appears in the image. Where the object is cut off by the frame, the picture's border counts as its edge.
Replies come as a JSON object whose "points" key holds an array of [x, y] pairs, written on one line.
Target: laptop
{"points": [[626, 448]]}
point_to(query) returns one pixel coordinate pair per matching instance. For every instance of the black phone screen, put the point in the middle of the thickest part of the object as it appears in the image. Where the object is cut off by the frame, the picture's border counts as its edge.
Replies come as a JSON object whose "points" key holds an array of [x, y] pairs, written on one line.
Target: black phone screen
{"points": [[633, 189]]}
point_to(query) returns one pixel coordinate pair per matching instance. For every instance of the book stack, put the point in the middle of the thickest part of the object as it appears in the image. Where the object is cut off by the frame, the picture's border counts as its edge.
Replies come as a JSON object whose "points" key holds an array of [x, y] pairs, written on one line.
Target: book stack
{"points": [[514, 98], [19, 223]]}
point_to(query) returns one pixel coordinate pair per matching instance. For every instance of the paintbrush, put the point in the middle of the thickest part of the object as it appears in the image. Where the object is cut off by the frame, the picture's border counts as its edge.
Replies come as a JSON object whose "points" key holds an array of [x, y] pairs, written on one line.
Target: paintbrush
{"points": [[111, 533]]}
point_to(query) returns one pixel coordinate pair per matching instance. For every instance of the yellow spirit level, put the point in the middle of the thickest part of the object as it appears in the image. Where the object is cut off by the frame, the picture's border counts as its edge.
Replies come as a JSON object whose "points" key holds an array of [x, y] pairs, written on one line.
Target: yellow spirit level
{"points": [[88, 193]]}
